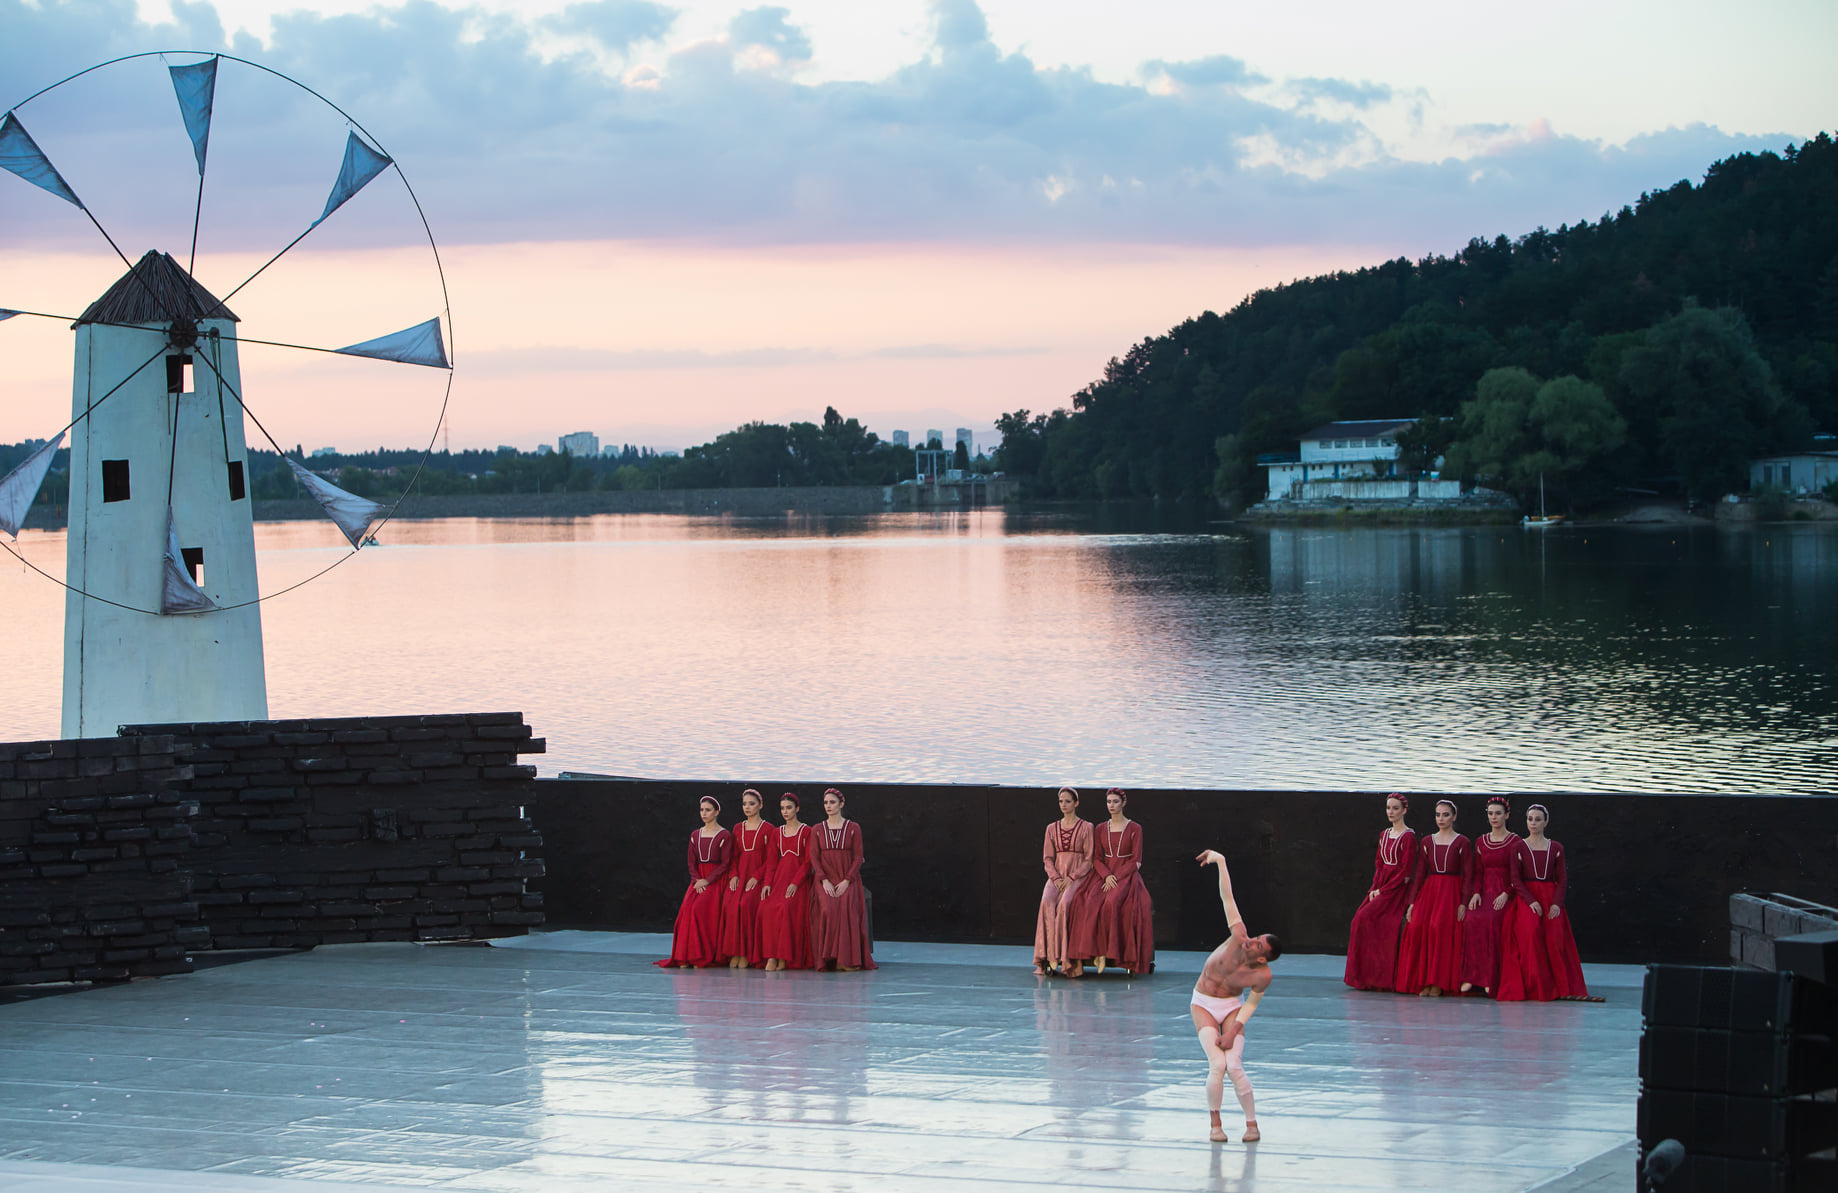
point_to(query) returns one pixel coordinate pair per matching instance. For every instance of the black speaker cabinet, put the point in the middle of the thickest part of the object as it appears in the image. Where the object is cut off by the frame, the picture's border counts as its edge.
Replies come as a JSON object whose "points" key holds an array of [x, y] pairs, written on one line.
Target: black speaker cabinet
{"points": [[1738, 1128], [1718, 1174], [1736, 1000], [1747, 1063], [1812, 955]]}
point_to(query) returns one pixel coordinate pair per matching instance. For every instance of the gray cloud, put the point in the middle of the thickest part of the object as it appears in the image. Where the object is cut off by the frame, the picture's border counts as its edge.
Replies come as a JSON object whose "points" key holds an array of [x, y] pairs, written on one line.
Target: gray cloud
{"points": [[1362, 94], [1220, 70], [769, 29], [966, 143], [616, 24]]}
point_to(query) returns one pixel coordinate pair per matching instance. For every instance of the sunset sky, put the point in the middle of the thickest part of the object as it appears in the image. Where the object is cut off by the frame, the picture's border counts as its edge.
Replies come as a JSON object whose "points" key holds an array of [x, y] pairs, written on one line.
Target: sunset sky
{"points": [[660, 220]]}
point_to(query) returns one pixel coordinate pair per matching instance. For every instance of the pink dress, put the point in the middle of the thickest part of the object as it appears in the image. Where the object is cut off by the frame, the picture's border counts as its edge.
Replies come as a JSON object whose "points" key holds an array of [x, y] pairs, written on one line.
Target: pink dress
{"points": [[1066, 854], [1118, 923], [839, 933]]}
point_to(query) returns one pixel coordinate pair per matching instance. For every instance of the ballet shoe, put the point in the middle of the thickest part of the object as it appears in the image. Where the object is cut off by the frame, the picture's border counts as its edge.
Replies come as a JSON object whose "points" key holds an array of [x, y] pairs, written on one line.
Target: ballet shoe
{"points": [[1251, 1133], [848, 969], [1217, 1135], [1039, 972], [1100, 963], [1466, 986]]}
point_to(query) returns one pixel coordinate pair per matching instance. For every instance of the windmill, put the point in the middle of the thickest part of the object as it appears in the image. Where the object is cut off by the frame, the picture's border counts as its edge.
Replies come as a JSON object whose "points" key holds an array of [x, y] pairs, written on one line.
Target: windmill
{"points": [[162, 616]]}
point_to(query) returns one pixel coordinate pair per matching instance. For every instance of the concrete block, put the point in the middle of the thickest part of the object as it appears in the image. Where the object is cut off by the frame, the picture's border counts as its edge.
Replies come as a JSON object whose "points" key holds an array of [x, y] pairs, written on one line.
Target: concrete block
{"points": [[1758, 951]]}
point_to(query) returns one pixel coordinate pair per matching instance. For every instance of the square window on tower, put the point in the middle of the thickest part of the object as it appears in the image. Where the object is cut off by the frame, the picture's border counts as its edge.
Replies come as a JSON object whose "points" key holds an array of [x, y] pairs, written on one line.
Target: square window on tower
{"points": [[114, 480], [194, 563], [178, 374]]}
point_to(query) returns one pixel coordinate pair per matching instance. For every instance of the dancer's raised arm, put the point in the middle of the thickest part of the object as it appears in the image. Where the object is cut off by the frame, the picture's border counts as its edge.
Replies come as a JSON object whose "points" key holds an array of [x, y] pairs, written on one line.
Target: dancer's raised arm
{"points": [[1236, 921]]}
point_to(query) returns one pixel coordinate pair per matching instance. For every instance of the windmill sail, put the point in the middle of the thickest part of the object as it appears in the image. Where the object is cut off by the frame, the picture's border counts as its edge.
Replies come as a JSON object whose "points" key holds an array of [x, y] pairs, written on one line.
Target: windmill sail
{"points": [[417, 345], [353, 514], [20, 154], [177, 592], [6, 314], [196, 87], [20, 486], [361, 164]]}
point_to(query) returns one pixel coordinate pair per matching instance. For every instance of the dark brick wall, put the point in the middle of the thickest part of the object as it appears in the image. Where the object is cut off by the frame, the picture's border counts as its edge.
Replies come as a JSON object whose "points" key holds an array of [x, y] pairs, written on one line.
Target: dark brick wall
{"points": [[120, 856], [337, 830], [1651, 875], [93, 842]]}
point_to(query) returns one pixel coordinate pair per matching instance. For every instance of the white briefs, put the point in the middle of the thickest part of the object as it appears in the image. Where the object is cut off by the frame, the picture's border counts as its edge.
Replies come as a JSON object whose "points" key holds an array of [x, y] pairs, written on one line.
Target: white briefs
{"points": [[1218, 1008]]}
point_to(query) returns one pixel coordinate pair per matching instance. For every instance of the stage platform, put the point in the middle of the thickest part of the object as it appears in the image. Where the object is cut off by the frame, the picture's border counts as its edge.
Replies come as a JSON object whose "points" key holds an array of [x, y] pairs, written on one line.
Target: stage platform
{"points": [[566, 1061]]}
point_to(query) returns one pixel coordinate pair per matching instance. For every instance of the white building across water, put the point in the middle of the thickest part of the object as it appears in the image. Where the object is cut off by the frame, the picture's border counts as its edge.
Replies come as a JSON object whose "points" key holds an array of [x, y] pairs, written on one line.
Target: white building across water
{"points": [[1356, 460]]}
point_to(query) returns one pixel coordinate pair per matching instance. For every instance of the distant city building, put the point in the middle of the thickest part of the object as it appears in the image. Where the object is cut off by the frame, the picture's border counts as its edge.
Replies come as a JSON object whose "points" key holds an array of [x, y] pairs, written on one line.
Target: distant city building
{"points": [[543, 449], [609, 449], [934, 436], [323, 451], [580, 444], [967, 437], [899, 439], [505, 447]]}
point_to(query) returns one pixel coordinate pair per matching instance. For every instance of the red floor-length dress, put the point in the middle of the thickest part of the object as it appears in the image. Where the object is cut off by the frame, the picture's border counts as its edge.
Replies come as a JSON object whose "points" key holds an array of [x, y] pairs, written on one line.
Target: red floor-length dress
{"points": [[1431, 952], [698, 922], [839, 930], [1119, 923], [1538, 953], [740, 914], [1066, 853], [1495, 873], [785, 915], [1378, 925]]}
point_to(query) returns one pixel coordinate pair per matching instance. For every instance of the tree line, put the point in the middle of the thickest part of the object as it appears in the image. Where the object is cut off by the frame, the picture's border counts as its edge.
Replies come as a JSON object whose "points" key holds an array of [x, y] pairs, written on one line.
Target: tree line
{"points": [[837, 451], [1659, 347]]}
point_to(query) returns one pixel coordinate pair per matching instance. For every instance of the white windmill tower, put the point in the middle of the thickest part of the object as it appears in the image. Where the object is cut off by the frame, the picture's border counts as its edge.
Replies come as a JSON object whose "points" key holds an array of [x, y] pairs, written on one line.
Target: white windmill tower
{"points": [[162, 613], [159, 514]]}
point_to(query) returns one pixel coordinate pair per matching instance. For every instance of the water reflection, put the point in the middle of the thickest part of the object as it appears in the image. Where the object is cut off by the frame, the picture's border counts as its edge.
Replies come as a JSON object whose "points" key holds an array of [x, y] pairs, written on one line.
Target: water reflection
{"points": [[1117, 646]]}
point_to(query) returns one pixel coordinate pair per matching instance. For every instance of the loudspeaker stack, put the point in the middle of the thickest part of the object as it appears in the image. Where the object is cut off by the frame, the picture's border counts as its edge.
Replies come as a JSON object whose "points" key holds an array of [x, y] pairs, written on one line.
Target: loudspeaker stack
{"points": [[1741, 1067]]}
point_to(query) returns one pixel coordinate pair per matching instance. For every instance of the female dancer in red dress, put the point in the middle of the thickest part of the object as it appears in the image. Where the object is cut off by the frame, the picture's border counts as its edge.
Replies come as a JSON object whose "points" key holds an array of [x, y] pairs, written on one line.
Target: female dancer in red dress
{"points": [[1114, 922], [1539, 960], [840, 932], [740, 942], [698, 921], [785, 912], [1429, 960], [1492, 886], [1066, 854], [1372, 944]]}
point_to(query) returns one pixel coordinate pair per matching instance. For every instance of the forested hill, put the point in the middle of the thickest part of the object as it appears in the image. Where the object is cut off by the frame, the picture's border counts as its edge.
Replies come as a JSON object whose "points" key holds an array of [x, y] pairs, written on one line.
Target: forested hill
{"points": [[1699, 313]]}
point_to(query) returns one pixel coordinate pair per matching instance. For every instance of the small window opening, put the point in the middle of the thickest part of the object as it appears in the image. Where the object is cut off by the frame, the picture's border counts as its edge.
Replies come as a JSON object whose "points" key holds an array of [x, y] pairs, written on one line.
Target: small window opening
{"points": [[178, 374], [236, 480], [194, 563], [114, 480]]}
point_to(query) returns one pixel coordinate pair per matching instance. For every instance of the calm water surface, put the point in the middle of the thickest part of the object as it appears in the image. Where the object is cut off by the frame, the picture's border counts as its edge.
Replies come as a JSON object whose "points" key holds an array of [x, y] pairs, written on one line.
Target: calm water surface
{"points": [[1100, 649]]}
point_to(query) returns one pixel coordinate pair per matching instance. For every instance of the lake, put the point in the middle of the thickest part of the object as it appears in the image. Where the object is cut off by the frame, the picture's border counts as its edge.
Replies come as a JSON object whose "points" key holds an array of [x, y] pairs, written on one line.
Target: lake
{"points": [[1109, 647]]}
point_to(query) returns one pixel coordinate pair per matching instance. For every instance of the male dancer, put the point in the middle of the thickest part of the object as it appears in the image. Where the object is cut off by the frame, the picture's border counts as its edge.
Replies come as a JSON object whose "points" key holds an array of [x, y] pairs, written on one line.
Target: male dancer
{"points": [[1221, 1004]]}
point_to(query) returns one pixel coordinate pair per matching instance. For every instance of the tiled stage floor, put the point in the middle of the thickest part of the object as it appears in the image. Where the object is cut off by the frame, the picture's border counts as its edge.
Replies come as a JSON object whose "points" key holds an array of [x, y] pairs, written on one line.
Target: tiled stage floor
{"points": [[567, 1062]]}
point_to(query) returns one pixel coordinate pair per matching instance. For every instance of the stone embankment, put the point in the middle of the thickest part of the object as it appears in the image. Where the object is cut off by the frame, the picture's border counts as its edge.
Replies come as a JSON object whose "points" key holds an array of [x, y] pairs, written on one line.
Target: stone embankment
{"points": [[1474, 506]]}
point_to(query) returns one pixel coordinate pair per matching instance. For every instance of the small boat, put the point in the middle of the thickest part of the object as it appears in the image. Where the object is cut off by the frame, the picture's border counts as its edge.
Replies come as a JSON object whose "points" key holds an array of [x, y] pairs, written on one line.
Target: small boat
{"points": [[1541, 520]]}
